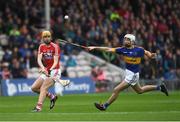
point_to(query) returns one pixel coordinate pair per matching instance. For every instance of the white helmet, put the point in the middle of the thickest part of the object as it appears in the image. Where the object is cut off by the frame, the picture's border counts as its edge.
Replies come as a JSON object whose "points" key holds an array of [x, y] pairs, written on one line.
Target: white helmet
{"points": [[131, 37]]}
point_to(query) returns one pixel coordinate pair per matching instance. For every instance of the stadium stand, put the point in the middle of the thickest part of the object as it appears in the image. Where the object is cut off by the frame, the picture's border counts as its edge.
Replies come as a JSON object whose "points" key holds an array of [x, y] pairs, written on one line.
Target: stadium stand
{"points": [[156, 23]]}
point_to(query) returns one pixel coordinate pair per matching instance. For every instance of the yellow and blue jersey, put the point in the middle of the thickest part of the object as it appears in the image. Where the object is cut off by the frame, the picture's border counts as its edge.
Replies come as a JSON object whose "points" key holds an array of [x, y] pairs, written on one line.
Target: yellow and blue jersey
{"points": [[132, 57]]}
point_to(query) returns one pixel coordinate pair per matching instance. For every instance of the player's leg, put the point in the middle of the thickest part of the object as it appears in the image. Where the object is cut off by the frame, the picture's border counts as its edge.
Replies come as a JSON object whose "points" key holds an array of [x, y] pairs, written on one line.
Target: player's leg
{"points": [[43, 91], [148, 88], [143, 89], [37, 85], [133, 79], [123, 85], [56, 75]]}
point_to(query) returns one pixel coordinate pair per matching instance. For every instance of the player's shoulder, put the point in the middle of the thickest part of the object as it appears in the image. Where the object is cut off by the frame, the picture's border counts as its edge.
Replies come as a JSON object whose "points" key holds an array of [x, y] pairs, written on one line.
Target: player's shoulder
{"points": [[139, 48], [42, 45], [55, 45]]}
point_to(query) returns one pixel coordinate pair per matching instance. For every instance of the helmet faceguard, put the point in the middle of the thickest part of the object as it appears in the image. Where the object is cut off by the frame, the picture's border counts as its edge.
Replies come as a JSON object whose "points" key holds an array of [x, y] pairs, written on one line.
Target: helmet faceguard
{"points": [[131, 37], [131, 41]]}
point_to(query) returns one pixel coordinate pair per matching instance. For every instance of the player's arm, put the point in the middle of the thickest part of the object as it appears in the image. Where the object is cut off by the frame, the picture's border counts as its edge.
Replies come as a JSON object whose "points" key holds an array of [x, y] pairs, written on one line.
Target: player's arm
{"points": [[39, 60], [149, 54], [56, 57], [102, 48]]}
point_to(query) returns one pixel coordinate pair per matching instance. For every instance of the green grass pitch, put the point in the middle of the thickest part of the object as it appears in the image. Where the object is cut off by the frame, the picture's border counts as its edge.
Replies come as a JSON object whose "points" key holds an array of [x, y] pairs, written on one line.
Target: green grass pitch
{"points": [[129, 106]]}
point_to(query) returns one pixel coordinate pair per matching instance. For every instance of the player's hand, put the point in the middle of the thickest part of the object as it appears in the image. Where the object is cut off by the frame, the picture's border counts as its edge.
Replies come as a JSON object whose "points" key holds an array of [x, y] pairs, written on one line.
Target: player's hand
{"points": [[44, 71], [91, 48], [110, 49], [153, 55]]}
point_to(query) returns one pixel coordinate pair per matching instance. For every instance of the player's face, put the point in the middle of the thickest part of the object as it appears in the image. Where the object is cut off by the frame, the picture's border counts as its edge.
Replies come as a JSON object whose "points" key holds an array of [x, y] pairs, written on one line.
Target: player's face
{"points": [[47, 39], [127, 42]]}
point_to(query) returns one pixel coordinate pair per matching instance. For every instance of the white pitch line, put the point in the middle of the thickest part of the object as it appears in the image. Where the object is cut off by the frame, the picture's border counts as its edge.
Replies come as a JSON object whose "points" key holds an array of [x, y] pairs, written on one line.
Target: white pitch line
{"points": [[123, 113]]}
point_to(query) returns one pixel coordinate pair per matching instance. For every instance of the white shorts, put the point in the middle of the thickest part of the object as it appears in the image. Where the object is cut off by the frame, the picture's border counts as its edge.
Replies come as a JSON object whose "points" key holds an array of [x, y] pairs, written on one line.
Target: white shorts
{"points": [[131, 77], [55, 74]]}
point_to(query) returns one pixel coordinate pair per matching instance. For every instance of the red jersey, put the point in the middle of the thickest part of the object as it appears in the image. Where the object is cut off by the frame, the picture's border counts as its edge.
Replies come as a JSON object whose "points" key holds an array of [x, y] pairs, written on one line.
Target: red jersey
{"points": [[48, 53]]}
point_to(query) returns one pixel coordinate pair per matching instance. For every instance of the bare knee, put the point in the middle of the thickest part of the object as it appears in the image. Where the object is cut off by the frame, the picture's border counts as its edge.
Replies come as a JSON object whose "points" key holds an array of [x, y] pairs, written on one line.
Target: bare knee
{"points": [[34, 89], [140, 91], [46, 85], [43, 88]]}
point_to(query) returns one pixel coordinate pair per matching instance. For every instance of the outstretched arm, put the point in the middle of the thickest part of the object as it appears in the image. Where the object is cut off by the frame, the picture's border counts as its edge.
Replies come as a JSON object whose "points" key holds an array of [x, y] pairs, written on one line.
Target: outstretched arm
{"points": [[150, 54], [102, 48]]}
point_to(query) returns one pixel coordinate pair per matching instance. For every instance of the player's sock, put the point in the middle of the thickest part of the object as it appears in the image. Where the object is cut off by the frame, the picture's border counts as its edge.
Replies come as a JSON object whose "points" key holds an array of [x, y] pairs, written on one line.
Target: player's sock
{"points": [[158, 87], [50, 95], [106, 105]]}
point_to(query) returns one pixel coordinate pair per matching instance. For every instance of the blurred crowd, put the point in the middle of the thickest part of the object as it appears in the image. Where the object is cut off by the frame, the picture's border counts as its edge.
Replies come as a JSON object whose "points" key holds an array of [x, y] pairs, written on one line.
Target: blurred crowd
{"points": [[156, 24]]}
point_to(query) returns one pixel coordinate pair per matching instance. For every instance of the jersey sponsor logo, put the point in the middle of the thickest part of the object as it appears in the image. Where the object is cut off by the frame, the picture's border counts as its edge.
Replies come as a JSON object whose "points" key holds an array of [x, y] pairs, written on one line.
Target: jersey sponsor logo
{"points": [[131, 53], [128, 52], [47, 55], [132, 60]]}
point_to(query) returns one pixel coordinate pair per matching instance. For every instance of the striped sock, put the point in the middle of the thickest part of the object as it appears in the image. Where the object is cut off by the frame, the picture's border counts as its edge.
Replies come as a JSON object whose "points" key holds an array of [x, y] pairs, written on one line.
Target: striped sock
{"points": [[158, 87], [50, 95], [106, 105]]}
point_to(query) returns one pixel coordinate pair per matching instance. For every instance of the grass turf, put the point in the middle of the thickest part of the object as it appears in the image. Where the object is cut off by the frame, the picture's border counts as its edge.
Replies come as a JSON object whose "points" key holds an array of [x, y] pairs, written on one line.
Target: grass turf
{"points": [[129, 106]]}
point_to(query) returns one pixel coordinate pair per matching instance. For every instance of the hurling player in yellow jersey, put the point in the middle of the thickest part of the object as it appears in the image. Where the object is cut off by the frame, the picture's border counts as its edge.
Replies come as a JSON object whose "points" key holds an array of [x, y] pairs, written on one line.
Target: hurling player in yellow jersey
{"points": [[132, 57]]}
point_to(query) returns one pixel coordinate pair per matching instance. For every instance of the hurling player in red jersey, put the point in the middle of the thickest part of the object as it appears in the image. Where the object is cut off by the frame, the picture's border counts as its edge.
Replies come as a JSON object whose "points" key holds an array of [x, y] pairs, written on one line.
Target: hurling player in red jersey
{"points": [[49, 62]]}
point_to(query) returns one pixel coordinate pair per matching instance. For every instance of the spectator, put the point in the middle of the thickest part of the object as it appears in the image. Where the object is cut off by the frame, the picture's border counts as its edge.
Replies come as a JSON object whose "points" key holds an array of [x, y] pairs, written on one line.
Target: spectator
{"points": [[24, 50], [71, 62], [147, 72], [7, 55], [178, 58], [17, 70], [5, 71], [1, 54], [33, 59], [156, 25], [16, 53], [99, 77], [169, 61]]}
